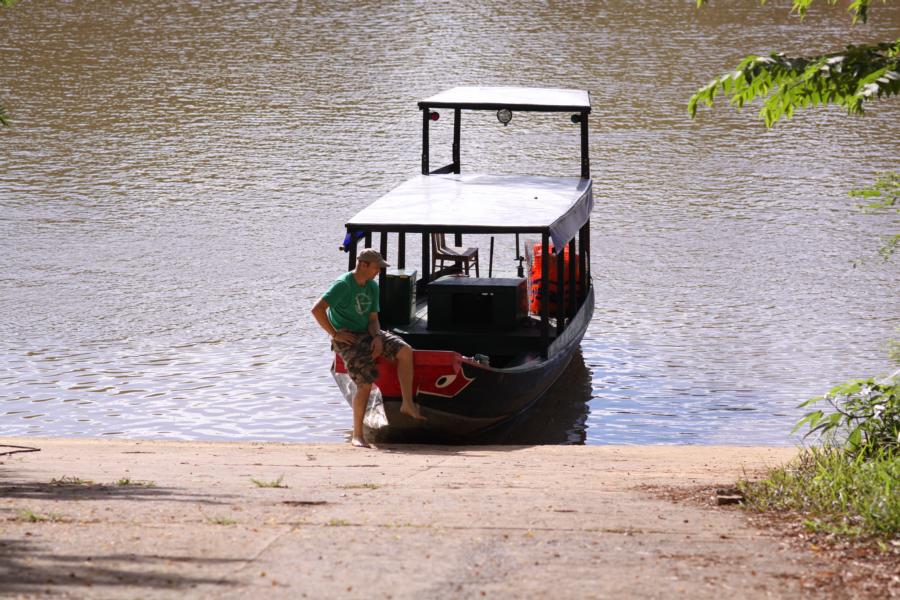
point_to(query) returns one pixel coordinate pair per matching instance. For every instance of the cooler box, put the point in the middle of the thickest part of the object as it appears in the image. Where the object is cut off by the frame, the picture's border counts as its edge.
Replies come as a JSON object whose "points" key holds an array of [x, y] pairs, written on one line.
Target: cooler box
{"points": [[477, 303], [398, 298]]}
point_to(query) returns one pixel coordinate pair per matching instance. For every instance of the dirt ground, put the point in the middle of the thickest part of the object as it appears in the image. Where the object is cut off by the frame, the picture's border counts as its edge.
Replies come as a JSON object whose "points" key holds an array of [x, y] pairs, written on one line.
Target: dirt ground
{"points": [[848, 567], [137, 519]]}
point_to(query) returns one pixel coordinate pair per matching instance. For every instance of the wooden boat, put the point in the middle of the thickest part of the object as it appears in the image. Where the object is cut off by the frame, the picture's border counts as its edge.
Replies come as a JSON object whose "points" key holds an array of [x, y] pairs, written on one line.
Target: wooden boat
{"points": [[485, 348]]}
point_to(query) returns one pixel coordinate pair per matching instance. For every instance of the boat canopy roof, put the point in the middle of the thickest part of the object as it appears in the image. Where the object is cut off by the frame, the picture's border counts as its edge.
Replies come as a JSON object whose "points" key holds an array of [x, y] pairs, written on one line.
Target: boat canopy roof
{"points": [[513, 98], [473, 203]]}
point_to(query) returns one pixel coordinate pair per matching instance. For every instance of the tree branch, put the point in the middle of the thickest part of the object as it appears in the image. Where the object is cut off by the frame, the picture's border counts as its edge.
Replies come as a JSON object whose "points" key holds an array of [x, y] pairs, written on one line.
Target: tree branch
{"points": [[848, 78]]}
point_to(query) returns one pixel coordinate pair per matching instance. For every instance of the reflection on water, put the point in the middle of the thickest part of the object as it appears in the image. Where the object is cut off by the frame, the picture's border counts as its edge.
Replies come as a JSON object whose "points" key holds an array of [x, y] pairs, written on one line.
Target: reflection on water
{"points": [[560, 415], [174, 187], [557, 417]]}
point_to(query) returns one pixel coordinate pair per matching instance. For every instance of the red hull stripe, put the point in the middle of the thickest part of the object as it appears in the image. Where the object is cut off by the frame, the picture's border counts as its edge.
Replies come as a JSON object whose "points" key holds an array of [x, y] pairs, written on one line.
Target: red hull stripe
{"points": [[436, 372]]}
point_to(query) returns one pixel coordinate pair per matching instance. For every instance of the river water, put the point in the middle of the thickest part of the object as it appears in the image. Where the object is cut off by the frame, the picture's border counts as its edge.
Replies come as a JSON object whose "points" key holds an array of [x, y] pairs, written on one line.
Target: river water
{"points": [[176, 179]]}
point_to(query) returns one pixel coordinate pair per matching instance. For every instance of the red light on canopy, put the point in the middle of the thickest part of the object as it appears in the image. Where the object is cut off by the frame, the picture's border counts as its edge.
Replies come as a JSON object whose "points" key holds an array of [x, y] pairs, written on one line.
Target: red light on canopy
{"points": [[434, 116]]}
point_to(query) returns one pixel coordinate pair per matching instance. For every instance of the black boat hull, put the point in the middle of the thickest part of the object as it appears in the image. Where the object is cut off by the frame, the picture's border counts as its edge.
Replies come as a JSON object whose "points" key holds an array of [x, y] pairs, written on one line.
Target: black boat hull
{"points": [[469, 397]]}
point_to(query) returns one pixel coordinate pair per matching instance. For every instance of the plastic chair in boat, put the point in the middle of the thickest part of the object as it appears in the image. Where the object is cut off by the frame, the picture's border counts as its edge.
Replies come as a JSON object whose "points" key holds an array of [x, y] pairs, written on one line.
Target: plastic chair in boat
{"points": [[458, 255]]}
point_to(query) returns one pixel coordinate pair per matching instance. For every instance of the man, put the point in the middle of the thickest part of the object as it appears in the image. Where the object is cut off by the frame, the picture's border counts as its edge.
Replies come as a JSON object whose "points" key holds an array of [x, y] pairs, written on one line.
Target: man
{"points": [[348, 312]]}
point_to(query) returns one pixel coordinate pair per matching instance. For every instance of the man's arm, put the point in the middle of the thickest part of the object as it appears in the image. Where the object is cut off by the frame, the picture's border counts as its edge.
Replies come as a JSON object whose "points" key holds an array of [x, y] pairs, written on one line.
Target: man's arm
{"points": [[374, 325], [375, 332], [320, 314]]}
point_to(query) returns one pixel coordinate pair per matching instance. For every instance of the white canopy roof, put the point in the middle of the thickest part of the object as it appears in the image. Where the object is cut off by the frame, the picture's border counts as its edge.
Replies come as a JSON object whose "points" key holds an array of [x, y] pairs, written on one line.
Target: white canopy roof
{"points": [[482, 203], [514, 98]]}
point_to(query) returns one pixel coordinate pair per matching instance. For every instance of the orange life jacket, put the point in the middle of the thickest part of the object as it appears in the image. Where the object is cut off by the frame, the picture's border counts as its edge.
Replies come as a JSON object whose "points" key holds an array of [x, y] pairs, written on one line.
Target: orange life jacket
{"points": [[537, 277]]}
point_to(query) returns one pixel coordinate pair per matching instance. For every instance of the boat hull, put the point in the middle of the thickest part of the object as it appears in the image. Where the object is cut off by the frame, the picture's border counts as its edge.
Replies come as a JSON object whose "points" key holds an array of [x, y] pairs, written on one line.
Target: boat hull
{"points": [[461, 397]]}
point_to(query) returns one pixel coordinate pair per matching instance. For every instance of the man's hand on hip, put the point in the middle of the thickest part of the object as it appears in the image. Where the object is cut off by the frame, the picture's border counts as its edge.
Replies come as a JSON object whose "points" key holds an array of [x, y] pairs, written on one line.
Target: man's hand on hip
{"points": [[344, 337], [377, 346]]}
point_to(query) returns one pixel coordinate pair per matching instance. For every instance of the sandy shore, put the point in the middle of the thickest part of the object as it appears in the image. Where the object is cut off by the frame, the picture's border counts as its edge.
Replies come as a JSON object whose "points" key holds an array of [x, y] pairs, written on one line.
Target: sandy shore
{"points": [[395, 522]]}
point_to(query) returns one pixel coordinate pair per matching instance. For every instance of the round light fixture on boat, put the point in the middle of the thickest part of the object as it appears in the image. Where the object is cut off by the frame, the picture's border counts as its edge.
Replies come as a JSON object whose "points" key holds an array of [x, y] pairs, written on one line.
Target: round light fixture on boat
{"points": [[576, 118], [504, 115], [434, 116]]}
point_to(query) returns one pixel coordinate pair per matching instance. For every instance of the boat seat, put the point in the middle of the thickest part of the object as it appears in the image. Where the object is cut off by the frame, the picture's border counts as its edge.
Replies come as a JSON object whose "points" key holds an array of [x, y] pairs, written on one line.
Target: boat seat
{"points": [[441, 252]]}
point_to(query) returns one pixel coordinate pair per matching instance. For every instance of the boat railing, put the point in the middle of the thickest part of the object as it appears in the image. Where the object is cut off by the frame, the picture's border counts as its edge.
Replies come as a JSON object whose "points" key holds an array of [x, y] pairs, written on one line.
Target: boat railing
{"points": [[572, 277]]}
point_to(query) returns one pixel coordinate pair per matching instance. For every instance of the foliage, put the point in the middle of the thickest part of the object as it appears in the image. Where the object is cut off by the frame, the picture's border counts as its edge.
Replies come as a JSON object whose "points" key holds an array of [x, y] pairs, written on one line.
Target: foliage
{"points": [[883, 194], [129, 482], [886, 188], [894, 349], [859, 8], [338, 523], [275, 483], [29, 516], [67, 480], [848, 78], [851, 485], [835, 491], [866, 417]]}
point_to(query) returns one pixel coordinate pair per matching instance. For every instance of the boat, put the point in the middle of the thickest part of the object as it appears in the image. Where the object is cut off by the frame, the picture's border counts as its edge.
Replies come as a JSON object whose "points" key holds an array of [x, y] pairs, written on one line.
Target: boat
{"points": [[485, 348]]}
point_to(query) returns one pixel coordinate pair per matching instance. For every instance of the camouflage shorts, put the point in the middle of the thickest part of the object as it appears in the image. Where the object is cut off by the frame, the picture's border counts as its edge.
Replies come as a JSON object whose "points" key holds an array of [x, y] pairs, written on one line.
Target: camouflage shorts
{"points": [[358, 359]]}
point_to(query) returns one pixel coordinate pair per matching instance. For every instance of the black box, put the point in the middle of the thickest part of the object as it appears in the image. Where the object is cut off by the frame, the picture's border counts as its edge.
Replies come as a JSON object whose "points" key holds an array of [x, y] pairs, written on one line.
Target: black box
{"points": [[398, 298], [476, 303]]}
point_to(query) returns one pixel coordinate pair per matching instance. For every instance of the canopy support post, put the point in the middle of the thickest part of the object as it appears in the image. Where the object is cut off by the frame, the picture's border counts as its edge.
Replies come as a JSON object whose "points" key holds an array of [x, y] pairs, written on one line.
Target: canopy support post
{"points": [[351, 251], [573, 282], [401, 250], [426, 257], [382, 273], [560, 290], [457, 114], [585, 158], [383, 244], [584, 248], [426, 116], [545, 297]]}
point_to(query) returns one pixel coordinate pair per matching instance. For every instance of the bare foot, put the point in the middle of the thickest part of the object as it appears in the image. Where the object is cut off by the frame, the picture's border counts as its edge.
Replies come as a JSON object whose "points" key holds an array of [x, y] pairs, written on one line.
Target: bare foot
{"points": [[412, 411], [359, 442]]}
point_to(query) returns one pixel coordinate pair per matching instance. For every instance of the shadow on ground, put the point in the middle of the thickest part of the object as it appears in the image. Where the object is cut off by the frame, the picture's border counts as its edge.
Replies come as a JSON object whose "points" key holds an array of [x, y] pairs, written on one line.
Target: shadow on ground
{"points": [[99, 491], [26, 569]]}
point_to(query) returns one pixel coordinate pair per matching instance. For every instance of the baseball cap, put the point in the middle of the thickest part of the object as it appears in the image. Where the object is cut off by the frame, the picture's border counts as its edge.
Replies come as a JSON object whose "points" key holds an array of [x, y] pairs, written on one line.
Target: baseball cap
{"points": [[372, 256]]}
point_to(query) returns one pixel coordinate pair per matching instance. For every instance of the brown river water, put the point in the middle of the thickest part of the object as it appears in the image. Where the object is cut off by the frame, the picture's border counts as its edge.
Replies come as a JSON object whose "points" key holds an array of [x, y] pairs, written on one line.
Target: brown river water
{"points": [[174, 187]]}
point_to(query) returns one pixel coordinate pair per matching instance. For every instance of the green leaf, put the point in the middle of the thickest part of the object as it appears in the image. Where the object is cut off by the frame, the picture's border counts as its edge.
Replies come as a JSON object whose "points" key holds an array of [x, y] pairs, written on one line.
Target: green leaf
{"points": [[811, 418], [855, 439], [849, 78], [810, 401]]}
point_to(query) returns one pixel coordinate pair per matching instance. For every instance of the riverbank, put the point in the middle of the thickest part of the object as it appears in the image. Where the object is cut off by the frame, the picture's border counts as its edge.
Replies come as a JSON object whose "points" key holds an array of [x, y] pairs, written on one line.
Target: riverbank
{"points": [[102, 518]]}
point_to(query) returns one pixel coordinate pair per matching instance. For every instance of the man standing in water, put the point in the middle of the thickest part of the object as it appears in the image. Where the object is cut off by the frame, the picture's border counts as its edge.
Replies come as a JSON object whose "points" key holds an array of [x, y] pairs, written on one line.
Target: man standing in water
{"points": [[348, 312]]}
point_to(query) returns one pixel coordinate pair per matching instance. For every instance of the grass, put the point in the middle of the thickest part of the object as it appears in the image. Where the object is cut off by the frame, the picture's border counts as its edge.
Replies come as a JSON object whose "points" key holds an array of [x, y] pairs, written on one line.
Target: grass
{"points": [[275, 483], [70, 481], [834, 492], [67, 480], [221, 521], [128, 482], [337, 523], [360, 486], [29, 516]]}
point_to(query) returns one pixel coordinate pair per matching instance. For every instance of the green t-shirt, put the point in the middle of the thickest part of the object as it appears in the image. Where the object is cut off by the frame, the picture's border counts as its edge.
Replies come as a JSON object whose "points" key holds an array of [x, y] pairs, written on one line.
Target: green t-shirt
{"points": [[349, 304]]}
